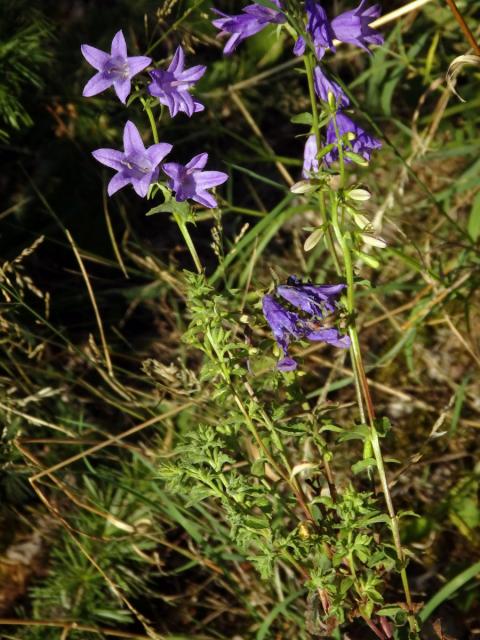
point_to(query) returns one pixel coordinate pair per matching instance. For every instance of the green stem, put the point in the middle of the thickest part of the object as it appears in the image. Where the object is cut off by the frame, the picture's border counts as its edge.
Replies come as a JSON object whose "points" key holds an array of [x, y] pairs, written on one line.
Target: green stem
{"points": [[356, 354], [313, 99], [188, 241], [308, 61], [151, 119], [177, 217]]}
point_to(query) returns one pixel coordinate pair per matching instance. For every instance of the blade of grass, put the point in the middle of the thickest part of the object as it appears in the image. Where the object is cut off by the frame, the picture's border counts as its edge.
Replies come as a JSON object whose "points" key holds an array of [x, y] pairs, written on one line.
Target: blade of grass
{"points": [[448, 590]]}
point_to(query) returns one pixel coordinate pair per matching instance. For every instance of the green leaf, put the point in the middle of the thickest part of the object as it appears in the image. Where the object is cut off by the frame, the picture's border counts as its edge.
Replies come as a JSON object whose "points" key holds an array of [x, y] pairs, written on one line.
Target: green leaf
{"points": [[256, 522], [303, 118], [363, 465], [474, 219], [171, 206], [258, 468], [280, 608], [450, 589]]}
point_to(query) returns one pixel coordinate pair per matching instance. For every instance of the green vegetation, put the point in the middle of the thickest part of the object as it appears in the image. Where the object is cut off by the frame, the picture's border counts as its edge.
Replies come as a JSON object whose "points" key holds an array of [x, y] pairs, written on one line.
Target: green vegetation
{"points": [[159, 478]]}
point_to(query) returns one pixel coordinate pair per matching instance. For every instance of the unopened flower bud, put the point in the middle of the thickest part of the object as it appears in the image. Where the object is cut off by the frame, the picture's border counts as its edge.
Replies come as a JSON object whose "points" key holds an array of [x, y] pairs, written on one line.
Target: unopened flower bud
{"points": [[331, 100], [361, 221], [368, 259], [356, 158], [374, 241], [360, 195], [302, 186], [313, 239]]}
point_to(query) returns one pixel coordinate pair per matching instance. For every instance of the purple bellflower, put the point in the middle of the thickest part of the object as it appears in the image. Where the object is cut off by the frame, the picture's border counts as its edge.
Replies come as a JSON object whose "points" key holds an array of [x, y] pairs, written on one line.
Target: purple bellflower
{"points": [[239, 27], [190, 182], [350, 26], [360, 141], [114, 68], [285, 325], [314, 299], [324, 86], [313, 303], [135, 165], [310, 160], [354, 26], [319, 28], [172, 86]]}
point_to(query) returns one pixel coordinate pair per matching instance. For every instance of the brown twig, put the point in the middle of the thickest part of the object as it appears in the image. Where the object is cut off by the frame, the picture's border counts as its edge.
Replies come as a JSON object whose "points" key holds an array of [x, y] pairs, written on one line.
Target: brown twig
{"points": [[464, 26]]}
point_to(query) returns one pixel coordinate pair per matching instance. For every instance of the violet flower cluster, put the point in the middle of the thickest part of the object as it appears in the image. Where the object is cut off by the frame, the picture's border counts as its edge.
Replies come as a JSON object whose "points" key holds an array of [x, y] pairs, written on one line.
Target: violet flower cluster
{"points": [[309, 305], [352, 27], [137, 165], [254, 18]]}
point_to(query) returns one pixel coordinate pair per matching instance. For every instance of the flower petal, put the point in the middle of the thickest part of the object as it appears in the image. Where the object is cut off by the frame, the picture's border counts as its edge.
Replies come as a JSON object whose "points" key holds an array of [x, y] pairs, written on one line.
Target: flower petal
{"points": [[205, 198], [178, 62], [232, 43], [96, 85], [193, 74], [198, 161], [173, 170], [287, 364], [118, 181], [137, 64], [300, 45], [141, 186], [119, 46], [94, 56], [132, 141], [209, 179], [330, 336], [122, 89], [110, 158], [186, 103], [157, 152]]}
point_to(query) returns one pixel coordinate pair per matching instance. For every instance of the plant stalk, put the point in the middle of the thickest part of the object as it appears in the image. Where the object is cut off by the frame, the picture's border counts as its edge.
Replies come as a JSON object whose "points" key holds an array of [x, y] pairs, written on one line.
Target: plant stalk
{"points": [[358, 366]]}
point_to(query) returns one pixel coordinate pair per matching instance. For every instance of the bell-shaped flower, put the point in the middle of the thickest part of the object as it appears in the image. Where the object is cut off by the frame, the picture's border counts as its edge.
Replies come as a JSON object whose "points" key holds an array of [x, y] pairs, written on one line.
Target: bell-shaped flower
{"points": [[315, 299], [351, 26], [172, 86], [319, 29], [190, 182], [324, 85], [330, 336], [285, 325], [239, 27], [310, 160], [354, 26], [313, 303], [359, 141], [136, 165], [114, 68]]}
